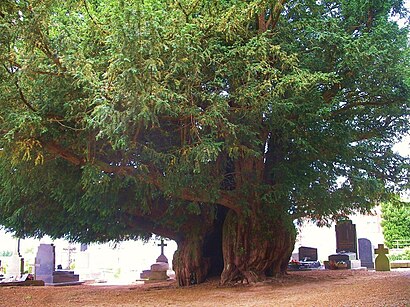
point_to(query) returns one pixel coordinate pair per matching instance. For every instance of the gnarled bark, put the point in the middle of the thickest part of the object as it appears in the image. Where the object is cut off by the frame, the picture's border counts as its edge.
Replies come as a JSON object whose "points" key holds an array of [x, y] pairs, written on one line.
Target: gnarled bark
{"points": [[189, 264], [256, 246], [199, 253]]}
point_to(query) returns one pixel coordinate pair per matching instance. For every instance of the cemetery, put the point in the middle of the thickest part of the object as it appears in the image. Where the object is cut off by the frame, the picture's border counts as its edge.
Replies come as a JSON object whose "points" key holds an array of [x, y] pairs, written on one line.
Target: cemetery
{"points": [[363, 262], [204, 153]]}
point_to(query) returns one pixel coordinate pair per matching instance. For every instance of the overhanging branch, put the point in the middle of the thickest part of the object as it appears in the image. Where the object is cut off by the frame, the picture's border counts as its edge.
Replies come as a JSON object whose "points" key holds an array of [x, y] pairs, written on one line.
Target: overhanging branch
{"points": [[226, 198]]}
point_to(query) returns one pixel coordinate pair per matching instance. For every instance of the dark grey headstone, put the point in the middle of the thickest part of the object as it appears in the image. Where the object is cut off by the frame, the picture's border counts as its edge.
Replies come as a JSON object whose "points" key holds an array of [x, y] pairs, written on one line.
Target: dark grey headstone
{"points": [[366, 253], [307, 253], [346, 239], [45, 263]]}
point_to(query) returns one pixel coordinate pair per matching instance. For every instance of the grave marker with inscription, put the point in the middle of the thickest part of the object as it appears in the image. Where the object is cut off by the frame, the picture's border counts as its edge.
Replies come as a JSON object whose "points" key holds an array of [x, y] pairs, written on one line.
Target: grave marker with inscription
{"points": [[45, 268], [346, 239], [346, 247], [307, 253]]}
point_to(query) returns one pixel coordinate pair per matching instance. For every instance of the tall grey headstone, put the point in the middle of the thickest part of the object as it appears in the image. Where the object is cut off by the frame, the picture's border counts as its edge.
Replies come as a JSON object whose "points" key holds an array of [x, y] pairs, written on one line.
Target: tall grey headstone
{"points": [[45, 263], [366, 253], [346, 239]]}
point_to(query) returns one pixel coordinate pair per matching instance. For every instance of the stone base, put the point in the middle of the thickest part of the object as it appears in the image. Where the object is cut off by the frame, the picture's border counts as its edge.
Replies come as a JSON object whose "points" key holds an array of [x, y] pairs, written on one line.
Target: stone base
{"points": [[60, 284], [158, 272], [369, 265], [154, 275], [65, 277], [62, 277], [348, 264], [22, 283], [354, 264], [400, 264]]}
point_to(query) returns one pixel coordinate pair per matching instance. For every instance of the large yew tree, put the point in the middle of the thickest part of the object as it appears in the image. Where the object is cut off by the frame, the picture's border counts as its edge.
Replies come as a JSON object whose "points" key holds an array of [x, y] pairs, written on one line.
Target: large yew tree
{"points": [[215, 123]]}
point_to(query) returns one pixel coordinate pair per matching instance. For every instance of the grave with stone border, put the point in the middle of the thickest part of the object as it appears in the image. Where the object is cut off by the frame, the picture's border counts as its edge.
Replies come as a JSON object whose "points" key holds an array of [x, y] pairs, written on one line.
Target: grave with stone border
{"points": [[346, 247], [307, 259], [45, 268]]}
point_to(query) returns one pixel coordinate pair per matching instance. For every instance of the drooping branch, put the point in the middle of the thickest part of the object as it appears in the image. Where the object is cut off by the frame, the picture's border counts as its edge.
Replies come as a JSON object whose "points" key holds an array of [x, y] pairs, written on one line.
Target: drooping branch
{"points": [[20, 91], [58, 150], [153, 176], [358, 103]]}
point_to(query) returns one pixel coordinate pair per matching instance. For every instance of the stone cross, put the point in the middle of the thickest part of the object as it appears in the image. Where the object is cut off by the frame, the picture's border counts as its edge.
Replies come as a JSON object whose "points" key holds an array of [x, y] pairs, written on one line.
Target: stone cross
{"points": [[162, 246], [382, 263], [162, 257], [70, 250]]}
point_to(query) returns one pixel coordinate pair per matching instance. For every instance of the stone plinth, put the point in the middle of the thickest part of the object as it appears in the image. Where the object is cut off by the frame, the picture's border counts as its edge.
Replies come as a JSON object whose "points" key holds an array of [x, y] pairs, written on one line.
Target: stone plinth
{"points": [[158, 272]]}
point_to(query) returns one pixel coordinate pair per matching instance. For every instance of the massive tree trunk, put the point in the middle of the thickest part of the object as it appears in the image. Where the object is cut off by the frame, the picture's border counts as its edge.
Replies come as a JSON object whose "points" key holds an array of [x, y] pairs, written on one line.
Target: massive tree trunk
{"points": [[256, 246], [199, 253], [190, 266]]}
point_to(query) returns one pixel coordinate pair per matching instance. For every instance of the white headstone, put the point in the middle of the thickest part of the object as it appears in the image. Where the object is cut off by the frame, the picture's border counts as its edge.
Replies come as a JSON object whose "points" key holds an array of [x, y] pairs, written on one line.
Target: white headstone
{"points": [[15, 263]]}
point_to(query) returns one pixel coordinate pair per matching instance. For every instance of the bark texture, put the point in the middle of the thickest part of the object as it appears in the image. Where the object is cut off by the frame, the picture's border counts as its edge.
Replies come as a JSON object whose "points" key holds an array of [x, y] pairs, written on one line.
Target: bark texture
{"points": [[255, 247], [199, 253], [190, 266]]}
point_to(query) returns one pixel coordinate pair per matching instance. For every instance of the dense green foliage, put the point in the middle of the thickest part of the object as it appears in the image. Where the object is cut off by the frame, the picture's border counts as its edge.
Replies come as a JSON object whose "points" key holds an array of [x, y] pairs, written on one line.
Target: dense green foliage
{"points": [[402, 256], [396, 223], [121, 119]]}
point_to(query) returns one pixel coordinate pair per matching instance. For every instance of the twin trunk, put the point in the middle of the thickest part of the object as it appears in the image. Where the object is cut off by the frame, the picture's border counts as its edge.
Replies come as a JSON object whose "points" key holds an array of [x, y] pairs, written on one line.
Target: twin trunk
{"points": [[237, 248]]}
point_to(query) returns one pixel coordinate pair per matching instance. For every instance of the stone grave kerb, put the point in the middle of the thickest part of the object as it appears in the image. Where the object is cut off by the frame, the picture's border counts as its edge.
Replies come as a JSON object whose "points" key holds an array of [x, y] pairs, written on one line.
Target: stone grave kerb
{"points": [[382, 263]]}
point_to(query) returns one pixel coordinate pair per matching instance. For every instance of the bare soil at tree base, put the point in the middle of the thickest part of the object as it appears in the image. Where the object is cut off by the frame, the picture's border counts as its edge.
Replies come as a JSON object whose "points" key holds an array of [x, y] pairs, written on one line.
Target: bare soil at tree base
{"points": [[304, 288]]}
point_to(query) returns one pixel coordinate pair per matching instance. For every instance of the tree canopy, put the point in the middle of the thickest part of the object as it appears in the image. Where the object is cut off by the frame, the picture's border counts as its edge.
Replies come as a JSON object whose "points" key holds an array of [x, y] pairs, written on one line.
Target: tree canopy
{"points": [[123, 119]]}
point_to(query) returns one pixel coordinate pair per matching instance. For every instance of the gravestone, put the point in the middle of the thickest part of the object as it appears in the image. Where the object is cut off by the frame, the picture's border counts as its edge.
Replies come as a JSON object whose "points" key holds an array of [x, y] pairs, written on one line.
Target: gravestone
{"points": [[366, 254], [346, 247], [44, 268], [45, 263], [159, 269], [162, 257], [15, 264], [382, 263], [307, 253], [346, 240]]}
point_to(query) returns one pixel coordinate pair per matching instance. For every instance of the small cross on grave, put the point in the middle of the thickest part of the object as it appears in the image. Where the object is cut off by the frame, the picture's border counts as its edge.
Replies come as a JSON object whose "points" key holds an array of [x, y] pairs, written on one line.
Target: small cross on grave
{"points": [[70, 250], [162, 257], [382, 263]]}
